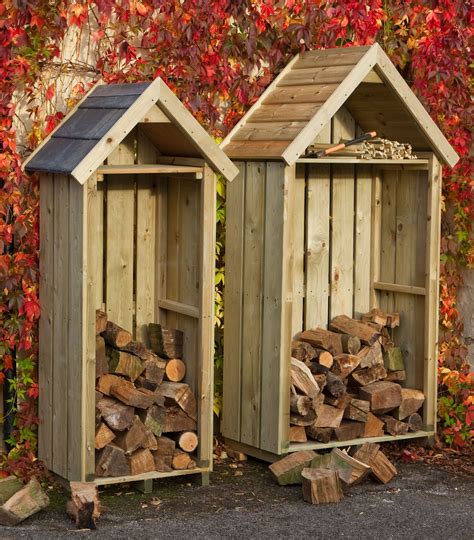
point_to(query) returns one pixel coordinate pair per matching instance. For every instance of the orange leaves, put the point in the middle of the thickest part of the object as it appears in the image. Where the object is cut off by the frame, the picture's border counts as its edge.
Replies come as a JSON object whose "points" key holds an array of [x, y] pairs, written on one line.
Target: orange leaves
{"points": [[78, 14]]}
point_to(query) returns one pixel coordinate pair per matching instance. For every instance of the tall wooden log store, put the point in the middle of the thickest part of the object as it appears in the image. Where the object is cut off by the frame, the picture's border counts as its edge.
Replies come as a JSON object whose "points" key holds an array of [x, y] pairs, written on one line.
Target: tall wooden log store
{"points": [[312, 238], [127, 224]]}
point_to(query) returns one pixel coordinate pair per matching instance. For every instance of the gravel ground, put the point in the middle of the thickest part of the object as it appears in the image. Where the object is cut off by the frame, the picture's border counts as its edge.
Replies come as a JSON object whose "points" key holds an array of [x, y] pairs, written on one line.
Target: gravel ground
{"points": [[243, 501]]}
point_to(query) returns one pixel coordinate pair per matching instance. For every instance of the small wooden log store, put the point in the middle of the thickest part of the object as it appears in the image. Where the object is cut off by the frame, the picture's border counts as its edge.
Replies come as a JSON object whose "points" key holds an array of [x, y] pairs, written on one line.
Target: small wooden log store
{"points": [[127, 195], [309, 239]]}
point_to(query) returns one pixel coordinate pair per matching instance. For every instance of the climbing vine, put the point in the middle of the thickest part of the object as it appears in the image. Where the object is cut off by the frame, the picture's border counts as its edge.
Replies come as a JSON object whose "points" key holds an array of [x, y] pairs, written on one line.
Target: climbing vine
{"points": [[218, 56]]}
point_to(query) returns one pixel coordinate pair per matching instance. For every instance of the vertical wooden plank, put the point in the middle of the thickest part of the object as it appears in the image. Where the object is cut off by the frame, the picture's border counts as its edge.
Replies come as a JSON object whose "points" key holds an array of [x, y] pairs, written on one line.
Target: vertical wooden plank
{"points": [[362, 238], [61, 300], [298, 239], [254, 223], [161, 248], [376, 236], [433, 234], [46, 337], [173, 246], [277, 307], [99, 243], [342, 241], [343, 126], [317, 245], [233, 296], [205, 361], [120, 237], [145, 240]]}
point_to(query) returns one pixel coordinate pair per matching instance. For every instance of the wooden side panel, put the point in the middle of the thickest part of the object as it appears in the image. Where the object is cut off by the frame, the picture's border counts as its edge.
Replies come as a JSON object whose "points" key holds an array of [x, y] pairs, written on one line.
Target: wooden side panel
{"points": [[318, 203], [254, 223], [298, 240], [376, 236], [61, 298], [120, 238], [99, 244], [233, 297], [46, 336], [342, 241], [362, 238], [277, 303]]}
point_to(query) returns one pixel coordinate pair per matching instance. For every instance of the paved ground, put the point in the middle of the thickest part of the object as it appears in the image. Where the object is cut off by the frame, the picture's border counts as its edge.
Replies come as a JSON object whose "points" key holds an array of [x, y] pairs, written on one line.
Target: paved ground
{"points": [[243, 502]]}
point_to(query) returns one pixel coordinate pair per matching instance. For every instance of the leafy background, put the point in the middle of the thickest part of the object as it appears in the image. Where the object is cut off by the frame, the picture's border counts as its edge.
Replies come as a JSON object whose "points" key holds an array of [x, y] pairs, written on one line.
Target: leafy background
{"points": [[218, 56]]}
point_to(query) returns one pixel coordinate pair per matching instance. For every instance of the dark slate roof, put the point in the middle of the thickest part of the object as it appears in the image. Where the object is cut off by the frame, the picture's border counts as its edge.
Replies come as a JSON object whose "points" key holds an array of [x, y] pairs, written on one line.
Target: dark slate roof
{"points": [[78, 135]]}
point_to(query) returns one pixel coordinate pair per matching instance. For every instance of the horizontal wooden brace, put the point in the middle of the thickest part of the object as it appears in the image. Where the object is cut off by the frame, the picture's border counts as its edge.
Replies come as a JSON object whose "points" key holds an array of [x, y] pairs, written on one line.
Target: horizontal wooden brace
{"points": [[178, 307], [395, 287], [150, 169], [402, 163], [101, 481]]}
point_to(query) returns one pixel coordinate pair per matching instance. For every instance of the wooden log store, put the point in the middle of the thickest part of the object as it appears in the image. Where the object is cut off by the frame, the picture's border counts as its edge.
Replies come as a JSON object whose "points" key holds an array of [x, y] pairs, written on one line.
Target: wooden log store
{"points": [[311, 238], [127, 226]]}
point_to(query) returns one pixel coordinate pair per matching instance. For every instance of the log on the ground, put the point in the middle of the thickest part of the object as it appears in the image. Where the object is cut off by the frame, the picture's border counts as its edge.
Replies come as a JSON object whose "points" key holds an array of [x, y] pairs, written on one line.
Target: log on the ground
{"points": [[188, 441], [394, 426], [116, 415], [163, 455], [103, 436], [357, 410], [351, 471], [153, 419], [381, 467], [288, 469], [396, 376], [363, 377], [175, 393], [116, 336], [323, 435], [344, 365], [112, 461], [382, 395], [155, 370], [322, 339], [297, 434], [300, 404], [350, 344], [141, 462], [329, 417], [166, 342], [415, 422], [182, 461], [8, 487], [177, 420], [101, 365], [349, 430], [133, 438], [302, 379], [393, 359], [100, 321], [302, 351], [106, 381], [321, 486], [371, 356], [127, 393], [27, 501], [412, 400], [335, 385], [124, 363], [373, 427], [345, 325], [84, 506]]}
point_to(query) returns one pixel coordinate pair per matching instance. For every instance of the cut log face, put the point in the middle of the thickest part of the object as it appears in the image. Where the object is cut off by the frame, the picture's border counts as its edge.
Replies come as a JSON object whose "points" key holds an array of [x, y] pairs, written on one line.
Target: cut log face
{"points": [[106, 381], [134, 438], [382, 468], [288, 469], [166, 342], [329, 417], [304, 352], [351, 471], [363, 377], [182, 461], [141, 462], [141, 382], [394, 426], [8, 487], [137, 348], [321, 486], [84, 507], [163, 456], [375, 315], [344, 365], [371, 356], [350, 344], [346, 325], [101, 365], [412, 401], [129, 365], [103, 436], [357, 410], [177, 420], [116, 415], [153, 419], [112, 461], [175, 370], [302, 379], [300, 404], [179, 394], [322, 339], [415, 422], [23, 504], [325, 358], [382, 395], [349, 430], [116, 336], [373, 427], [188, 441], [127, 393], [297, 434], [100, 322]]}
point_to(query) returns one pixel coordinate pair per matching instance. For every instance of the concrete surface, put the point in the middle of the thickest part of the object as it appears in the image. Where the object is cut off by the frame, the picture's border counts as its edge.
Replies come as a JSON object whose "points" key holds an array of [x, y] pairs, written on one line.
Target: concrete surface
{"points": [[421, 503]]}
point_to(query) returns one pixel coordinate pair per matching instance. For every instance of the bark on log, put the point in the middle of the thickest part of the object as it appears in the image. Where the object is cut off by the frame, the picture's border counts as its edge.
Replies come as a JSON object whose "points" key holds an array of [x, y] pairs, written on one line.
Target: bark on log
{"points": [[393, 359], [323, 435], [394, 426], [112, 461], [350, 344], [127, 393], [23, 504], [382, 468], [116, 336], [383, 396], [322, 339], [101, 365], [302, 379], [116, 415], [321, 486], [166, 342], [141, 462], [335, 385], [100, 322], [344, 365], [300, 404], [298, 420], [346, 325], [8, 487], [302, 351], [163, 455], [153, 419], [371, 356], [415, 422], [155, 370], [349, 430], [412, 401], [177, 420], [179, 394], [357, 410], [363, 377], [396, 376], [288, 469], [132, 439], [84, 507]]}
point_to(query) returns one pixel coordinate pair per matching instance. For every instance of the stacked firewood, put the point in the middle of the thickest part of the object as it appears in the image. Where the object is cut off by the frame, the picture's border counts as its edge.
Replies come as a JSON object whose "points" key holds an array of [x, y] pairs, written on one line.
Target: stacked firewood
{"points": [[145, 415], [386, 149], [345, 382]]}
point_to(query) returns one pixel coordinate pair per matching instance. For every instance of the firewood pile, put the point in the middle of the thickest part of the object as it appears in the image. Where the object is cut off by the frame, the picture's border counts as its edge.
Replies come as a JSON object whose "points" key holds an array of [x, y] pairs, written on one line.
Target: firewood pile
{"points": [[145, 416], [345, 382], [386, 149], [324, 477]]}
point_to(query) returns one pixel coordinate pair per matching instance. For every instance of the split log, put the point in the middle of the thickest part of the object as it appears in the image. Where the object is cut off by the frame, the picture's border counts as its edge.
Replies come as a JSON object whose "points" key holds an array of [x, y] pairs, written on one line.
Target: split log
{"points": [[350, 470], [363, 377], [300, 404], [317, 369], [349, 430], [141, 462], [302, 351], [320, 381], [125, 363], [100, 322], [329, 417], [415, 422], [376, 315], [127, 393], [163, 455], [182, 461], [373, 427], [166, 342], [153, 419], [23, 504], [394, 426], [382, 395], [106, 381], [112, 461], [307, 420], [357, 410], [116, 336], [395, 376], [393, 359], [346, 325], [179, 394], [116, 415], [134, 438], [150, 441], [175, 370], [302, 379], [320, 434], [335, 385], [101, 365], [155, 370], [84, 506], [371, 356], [142, 382], [177, 420], [321, 486], [340, 402], [137, 348], [381, 467], [297, 434], [412, 400], [235, 454], [325, 358], [188, 441], [317, 402], [288, 469], [344, 365], [350, 344], [103, 436], [322, 339], [8, 487]]}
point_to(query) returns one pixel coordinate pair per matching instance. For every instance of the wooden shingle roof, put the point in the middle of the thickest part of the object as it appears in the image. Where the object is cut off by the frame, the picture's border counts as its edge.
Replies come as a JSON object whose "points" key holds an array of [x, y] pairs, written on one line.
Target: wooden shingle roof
{"points": [[314, 86]]}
